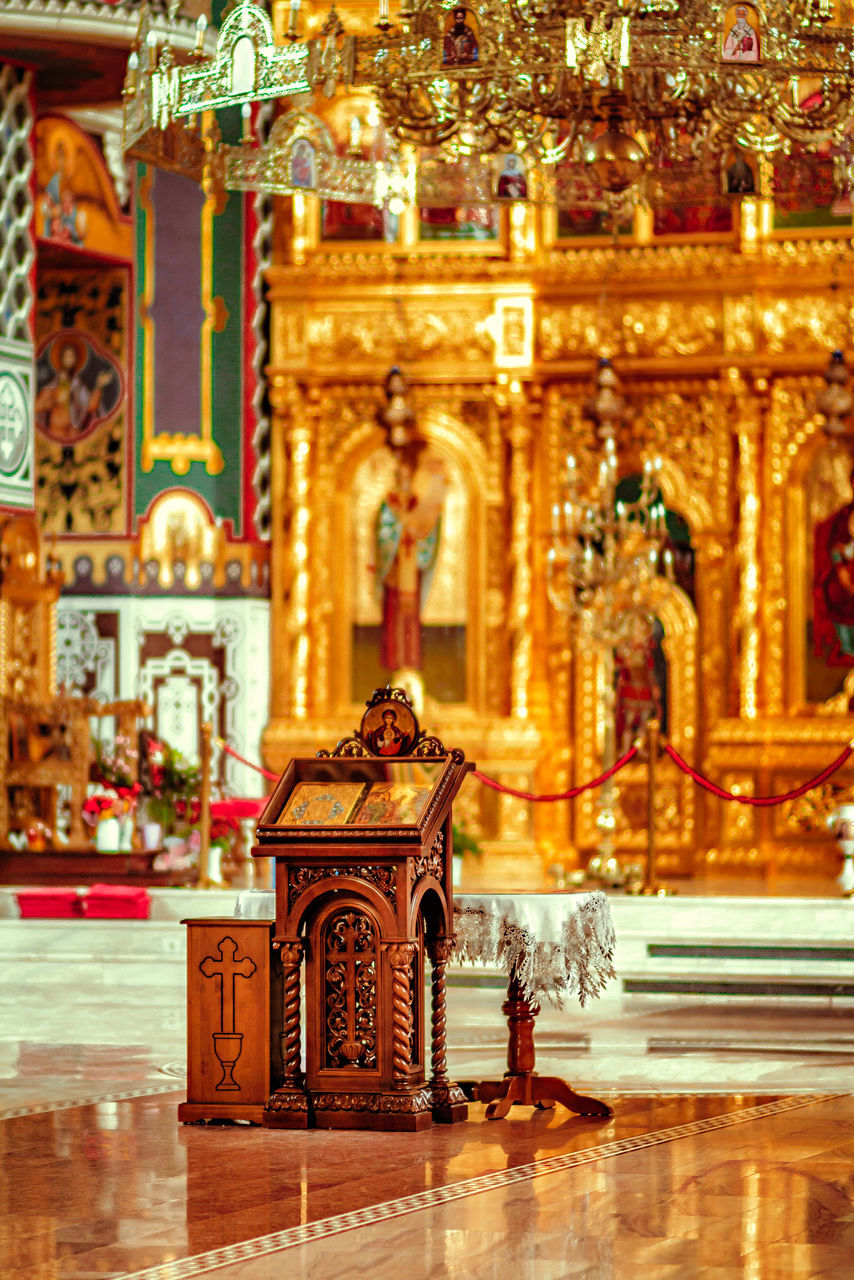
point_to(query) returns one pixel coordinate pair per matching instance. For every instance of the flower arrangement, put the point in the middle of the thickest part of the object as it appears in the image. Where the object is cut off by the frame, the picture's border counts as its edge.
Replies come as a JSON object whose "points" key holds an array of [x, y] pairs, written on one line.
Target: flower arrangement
{"points": [[172, 787], [115, 789], [116, 767], [817, 809], [100, 805]]}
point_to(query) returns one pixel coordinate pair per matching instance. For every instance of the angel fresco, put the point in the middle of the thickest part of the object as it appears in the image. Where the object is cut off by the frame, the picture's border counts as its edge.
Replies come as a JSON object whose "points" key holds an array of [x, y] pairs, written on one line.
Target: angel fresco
{"points": [[76, 203]]}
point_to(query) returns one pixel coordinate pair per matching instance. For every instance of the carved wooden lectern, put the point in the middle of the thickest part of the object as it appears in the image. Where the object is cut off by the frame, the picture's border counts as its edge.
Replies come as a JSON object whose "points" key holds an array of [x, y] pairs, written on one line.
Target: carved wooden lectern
{"points": [[362, 840]]}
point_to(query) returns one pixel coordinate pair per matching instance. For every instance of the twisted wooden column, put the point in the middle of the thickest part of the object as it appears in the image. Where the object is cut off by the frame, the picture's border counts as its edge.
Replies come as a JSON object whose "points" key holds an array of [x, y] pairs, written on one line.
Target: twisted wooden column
{"points": [[400, 955], [439, 950], [291, 953]]}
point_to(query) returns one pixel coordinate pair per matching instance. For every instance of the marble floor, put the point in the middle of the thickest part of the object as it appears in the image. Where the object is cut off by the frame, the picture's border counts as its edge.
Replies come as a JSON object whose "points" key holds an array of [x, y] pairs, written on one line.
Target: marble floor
{"points": [[730, 1153]]}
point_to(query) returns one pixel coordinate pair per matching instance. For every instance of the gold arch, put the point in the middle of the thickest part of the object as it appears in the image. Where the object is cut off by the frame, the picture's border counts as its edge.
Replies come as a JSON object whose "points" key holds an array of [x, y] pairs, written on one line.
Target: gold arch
{"points": [[451, 438], [683, 498], [678, 618]]}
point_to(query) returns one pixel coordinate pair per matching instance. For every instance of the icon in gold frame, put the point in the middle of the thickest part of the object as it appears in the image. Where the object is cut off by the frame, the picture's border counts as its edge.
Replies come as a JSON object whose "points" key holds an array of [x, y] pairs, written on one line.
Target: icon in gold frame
{"points": [[322, 804]]}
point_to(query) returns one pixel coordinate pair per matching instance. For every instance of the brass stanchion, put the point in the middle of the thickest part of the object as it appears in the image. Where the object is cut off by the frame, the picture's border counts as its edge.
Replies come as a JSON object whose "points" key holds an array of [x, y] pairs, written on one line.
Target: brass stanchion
{"points": [[650, 888], [205, 752]]}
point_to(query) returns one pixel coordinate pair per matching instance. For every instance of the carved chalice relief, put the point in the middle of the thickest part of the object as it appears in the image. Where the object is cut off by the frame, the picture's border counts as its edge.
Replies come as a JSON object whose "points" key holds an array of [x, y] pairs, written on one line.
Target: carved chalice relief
{"points": [[225, 970]]}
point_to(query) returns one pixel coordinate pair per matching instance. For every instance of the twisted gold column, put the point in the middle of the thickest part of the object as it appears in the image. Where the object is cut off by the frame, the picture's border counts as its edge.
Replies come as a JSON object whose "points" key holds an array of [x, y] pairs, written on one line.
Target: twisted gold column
{"points": [[290, 587]]}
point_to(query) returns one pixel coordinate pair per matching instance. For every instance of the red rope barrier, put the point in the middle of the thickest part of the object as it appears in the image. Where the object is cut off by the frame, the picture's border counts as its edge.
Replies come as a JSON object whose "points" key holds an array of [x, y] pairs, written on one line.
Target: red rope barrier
{"points": [[489, 782], [692, 773], [715, 790], [229, 751], [560, 795]]}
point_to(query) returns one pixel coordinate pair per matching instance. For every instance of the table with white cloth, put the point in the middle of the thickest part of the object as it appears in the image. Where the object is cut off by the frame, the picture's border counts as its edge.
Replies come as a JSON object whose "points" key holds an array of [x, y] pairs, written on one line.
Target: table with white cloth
{"points": [[553, 947]]}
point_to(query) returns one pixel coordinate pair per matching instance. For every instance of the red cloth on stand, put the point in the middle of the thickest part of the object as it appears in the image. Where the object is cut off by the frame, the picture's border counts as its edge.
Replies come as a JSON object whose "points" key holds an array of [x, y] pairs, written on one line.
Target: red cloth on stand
{"points": [[116, 902], [48, 904]]}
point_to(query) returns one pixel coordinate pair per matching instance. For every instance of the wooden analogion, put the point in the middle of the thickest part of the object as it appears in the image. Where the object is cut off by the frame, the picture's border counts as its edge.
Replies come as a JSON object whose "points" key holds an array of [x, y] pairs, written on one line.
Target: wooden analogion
{"points": [[362, 842]]}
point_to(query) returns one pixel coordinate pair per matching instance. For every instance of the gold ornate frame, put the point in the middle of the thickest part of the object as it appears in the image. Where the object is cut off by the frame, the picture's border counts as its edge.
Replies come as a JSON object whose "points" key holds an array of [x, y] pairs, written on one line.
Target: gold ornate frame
{"points": [[448, 437]]}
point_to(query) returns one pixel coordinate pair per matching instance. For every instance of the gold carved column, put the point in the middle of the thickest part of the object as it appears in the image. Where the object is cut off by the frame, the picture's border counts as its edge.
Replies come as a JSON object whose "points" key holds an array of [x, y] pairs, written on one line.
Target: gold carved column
{"points": [[292, 439], [520, 551], [747, 420]]}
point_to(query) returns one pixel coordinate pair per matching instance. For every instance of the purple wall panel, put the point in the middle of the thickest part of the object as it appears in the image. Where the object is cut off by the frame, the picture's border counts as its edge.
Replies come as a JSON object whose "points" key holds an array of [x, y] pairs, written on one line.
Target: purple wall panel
{"points": [[177, 308]]}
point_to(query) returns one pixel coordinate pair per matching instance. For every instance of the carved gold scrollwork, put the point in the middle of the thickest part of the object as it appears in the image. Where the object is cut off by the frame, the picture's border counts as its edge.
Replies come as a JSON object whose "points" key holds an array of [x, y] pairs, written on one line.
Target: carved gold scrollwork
{"points": [[636, 328]]}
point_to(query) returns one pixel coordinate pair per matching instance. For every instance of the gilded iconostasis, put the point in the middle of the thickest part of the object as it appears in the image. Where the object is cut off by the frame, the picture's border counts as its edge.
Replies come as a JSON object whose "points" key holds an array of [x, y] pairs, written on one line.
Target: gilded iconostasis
{"points": [[259, 521]]}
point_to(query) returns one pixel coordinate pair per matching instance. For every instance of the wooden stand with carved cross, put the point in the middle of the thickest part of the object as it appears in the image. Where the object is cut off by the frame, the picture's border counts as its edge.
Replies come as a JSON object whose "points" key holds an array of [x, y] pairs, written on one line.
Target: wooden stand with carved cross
{"points": [[234, 1014], [362, 840]]}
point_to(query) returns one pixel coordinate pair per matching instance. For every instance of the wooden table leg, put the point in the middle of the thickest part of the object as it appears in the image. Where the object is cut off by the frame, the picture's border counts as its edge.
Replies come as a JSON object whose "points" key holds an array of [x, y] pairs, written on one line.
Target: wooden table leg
{"points": [[521, 1084]]}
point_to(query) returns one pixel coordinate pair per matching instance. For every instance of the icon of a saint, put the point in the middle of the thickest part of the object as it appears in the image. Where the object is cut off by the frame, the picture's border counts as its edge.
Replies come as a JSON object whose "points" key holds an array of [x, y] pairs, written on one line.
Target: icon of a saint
{"points": [[833, 586], [388, 739], [406, 536], [460, 47], [68, 405], [741, 43], [512, 183], [638, 686], [302, 164], [739, 177]]}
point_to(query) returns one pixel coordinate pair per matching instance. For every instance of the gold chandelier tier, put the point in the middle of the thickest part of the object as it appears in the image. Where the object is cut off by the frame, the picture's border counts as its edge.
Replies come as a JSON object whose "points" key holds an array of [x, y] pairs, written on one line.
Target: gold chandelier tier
{"points": [[618, 86]]}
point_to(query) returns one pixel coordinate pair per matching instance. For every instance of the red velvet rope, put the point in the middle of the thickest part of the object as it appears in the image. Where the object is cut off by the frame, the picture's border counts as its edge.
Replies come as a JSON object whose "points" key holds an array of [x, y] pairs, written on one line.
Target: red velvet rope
{"points": [[560, 795], [265, 773], [692, 773], [489, 782], [757, 800]]}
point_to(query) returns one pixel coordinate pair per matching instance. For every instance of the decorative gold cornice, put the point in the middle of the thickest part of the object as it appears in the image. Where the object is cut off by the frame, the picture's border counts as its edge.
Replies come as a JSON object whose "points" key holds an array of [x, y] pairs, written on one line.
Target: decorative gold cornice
{"points": [[708, 268]]}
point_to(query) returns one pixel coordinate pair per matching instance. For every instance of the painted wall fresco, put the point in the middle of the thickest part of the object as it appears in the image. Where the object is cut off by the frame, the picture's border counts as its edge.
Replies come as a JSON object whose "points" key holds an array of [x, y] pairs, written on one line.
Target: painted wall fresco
{"points": [[82, 347], [76, 205]]}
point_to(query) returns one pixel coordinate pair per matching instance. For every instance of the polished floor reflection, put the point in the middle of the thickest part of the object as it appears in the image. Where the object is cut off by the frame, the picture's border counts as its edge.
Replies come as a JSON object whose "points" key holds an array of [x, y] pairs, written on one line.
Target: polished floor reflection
{"points": [[672, 1186], [731, 1152]]}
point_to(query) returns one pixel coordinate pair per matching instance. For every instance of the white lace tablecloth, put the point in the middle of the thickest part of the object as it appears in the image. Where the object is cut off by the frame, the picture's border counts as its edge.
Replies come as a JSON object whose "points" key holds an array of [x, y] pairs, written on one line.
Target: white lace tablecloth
{"points": [[255, 904], [556, 944]]}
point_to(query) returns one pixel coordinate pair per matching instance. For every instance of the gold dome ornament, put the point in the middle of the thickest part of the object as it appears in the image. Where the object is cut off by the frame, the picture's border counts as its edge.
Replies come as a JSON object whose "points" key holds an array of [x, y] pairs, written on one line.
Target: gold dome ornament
{"points": [[616, 159]]}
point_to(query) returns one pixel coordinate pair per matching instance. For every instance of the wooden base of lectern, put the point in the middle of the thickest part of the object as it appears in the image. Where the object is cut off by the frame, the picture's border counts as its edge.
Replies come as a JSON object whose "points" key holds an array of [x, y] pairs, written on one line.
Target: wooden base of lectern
{"points": [[234, 1016], [200, 1113], [406, 1111]]}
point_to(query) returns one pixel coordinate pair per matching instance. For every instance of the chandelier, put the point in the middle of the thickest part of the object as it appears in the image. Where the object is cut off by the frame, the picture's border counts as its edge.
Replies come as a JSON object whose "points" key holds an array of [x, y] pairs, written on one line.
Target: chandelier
{"points": [[607, 562], [605, 553], [617, 87]]}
